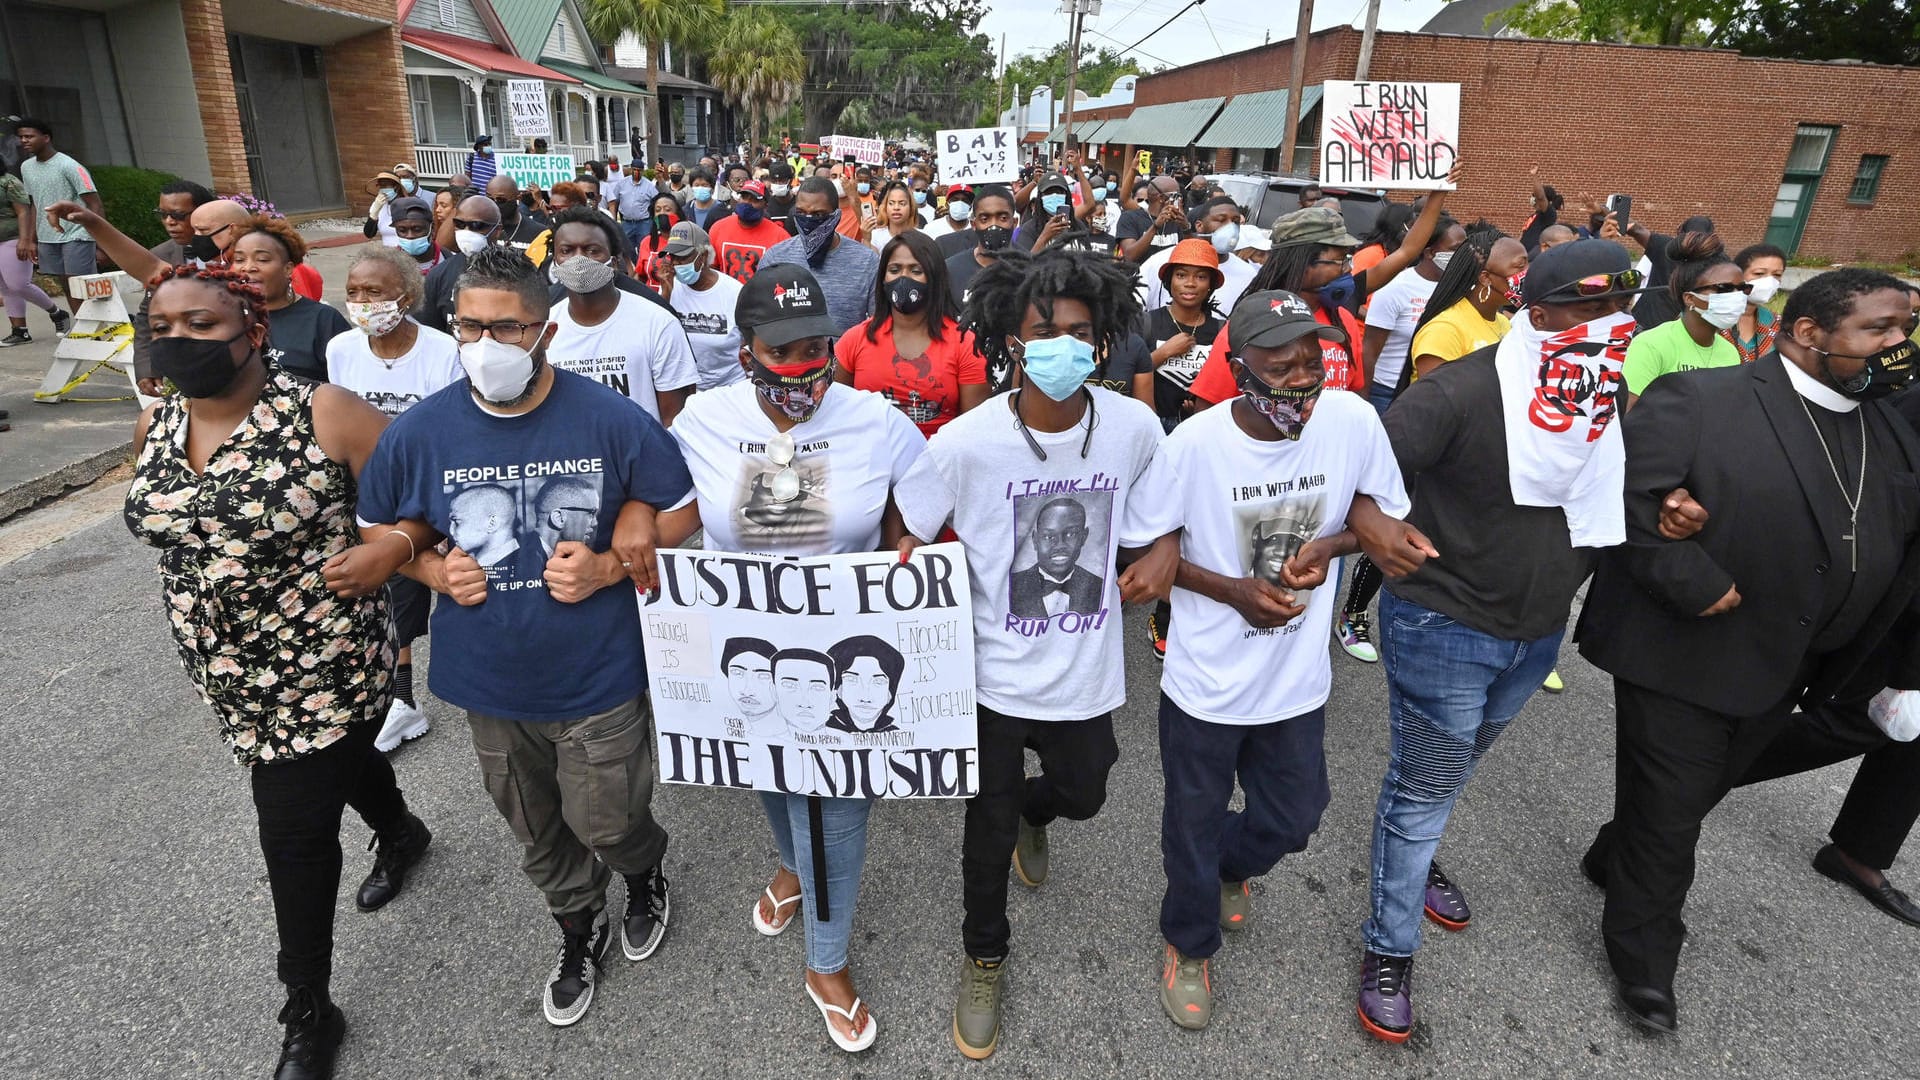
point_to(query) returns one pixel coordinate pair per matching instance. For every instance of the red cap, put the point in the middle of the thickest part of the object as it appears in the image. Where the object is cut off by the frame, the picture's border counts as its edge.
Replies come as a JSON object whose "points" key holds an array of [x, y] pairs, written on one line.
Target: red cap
{"points": [[753, 187]]}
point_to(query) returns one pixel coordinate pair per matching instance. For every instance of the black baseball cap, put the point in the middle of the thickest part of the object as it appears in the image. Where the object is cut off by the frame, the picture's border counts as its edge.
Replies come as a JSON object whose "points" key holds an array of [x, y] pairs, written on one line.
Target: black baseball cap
{"points": [[409, 206], [782, 304], [1055, 182], [1552, 276], [1268, 320], [781, 171]]}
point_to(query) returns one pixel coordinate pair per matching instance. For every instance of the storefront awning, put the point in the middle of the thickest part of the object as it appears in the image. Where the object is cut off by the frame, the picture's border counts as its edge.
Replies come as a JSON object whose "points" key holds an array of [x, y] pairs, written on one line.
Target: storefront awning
{"points": [[1255, 120], [595, 79], [1173, 123], [479, 56], [1081, 129]]}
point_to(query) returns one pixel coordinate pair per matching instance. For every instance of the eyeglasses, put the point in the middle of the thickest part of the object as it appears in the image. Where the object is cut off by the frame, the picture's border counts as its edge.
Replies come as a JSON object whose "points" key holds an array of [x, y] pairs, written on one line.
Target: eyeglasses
{"points": [[1344, 260], [172, 215], [1726, 287], [481, 227], [1601, 284], [785, 486], [506, 333]]}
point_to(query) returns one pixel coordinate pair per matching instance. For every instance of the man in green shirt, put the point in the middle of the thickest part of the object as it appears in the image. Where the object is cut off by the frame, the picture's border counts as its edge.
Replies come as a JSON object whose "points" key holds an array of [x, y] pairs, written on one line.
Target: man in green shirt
{"points": [[64, 249]]}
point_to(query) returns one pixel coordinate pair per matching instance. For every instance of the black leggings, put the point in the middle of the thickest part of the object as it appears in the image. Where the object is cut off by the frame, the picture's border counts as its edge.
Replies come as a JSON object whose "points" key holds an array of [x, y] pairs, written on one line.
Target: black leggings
{"points": [[1365, 586], [299, 803]]}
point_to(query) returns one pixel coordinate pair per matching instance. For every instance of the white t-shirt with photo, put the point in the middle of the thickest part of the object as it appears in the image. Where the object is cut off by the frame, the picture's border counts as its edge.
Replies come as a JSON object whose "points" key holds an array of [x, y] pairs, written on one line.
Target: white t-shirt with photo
{"points": [[1040, 539], [707, 317], [1247, 503], [637, 351], [394, 386], [849, 454], [1395, 307]]}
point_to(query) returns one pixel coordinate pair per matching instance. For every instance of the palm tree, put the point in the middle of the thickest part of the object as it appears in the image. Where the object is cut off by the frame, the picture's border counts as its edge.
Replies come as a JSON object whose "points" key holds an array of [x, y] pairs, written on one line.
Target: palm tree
{"points": [[657, 23], [757, 64]]}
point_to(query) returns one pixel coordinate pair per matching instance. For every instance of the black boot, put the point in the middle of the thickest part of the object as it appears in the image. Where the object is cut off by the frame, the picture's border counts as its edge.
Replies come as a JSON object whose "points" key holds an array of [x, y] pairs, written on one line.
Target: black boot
{"points": [[315, 1027], [397, 855]]}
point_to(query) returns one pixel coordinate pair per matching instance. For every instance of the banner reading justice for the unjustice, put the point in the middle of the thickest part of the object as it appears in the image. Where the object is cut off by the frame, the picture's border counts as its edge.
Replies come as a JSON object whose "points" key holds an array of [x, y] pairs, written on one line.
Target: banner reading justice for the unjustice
{"points": [[840, 675]]}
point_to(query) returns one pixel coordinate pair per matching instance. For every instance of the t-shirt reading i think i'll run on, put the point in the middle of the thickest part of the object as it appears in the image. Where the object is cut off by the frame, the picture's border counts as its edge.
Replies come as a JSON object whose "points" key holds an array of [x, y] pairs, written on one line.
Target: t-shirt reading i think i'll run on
{"points": [[1246, 506], [507, 490], [639, 351], [1041, 540]]}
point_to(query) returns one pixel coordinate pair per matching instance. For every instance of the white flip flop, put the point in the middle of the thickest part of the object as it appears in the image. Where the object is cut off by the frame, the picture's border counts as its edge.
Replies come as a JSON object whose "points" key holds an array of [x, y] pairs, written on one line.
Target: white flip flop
{"points": [[854, 1045], [766, 928]]}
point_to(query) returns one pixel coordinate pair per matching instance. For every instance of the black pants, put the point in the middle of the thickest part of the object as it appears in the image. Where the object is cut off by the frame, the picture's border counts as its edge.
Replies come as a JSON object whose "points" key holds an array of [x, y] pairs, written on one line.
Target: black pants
{"points": [[1884, 799], [299, 803], [1075, 758]]}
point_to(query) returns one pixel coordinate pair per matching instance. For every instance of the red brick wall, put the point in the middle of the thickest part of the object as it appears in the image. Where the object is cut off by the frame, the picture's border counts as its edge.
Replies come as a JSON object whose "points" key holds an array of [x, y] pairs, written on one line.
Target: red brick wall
{"points": [[206, 32], [372, 121], [1703, 131]]}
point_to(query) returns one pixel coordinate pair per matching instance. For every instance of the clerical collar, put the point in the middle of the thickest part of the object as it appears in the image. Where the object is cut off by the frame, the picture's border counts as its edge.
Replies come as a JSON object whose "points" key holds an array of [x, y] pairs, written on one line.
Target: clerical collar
{"points": [[1815, 391]]}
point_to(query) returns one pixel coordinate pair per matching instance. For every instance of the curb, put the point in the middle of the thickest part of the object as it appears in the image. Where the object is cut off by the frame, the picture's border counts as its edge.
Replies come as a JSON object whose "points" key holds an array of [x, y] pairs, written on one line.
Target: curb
{"points": [[30, 493]]}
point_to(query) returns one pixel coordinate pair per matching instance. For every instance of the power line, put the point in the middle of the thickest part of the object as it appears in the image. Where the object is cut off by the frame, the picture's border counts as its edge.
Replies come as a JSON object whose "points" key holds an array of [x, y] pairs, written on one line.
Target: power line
{"points": [[1162, 26], [1142, 52]]}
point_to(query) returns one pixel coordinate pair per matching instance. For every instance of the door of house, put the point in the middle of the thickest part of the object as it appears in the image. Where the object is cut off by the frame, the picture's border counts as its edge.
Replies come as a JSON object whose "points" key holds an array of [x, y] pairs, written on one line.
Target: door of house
{"points": [[1806, 165], [286, 123]]}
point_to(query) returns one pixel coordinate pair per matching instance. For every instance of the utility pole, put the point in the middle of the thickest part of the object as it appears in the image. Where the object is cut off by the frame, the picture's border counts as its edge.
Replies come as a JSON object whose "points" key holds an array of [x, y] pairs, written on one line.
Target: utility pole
{"points": [[1000, 84], [1366, 41], [1078, 10], [1296, 86]]}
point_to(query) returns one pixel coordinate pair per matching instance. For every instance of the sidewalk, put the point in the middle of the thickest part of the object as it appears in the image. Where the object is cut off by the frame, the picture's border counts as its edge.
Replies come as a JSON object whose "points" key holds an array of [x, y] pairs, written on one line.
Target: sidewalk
{"points": [[56, 447]]}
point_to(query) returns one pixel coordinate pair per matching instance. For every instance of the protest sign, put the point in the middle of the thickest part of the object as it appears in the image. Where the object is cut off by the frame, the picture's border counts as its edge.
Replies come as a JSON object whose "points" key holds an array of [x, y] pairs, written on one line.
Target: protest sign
{"points": [[537, 170], [978, 155], [527, 101], [1389, 134], [864, 151], [839, 675]]}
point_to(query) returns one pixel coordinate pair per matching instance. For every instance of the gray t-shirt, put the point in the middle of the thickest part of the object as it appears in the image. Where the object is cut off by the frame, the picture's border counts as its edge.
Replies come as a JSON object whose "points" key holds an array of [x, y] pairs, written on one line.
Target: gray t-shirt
{"points": [[56, 179], [848, 276]]}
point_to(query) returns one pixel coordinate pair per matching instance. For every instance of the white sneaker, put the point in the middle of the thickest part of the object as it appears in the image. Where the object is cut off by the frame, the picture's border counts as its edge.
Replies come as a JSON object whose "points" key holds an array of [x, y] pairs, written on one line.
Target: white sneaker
{"points": [[404, 722]]}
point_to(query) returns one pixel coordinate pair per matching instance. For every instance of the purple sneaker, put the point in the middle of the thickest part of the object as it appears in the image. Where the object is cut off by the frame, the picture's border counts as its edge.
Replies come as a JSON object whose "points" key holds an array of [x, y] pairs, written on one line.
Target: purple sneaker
{"points": [[1446, 904], [1386, 997]]}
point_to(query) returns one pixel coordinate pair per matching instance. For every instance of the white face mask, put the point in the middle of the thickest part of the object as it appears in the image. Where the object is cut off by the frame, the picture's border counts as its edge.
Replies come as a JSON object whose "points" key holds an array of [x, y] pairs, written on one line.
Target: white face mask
{"points": [[1723, 310], [375, 318], [499, 373], [1442, 258], [1764, 290], [470, 242]]}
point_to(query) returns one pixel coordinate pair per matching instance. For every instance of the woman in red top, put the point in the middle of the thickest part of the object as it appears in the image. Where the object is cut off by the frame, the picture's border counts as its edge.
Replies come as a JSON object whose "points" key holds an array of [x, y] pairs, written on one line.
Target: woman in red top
{"points": [[913, 350]]}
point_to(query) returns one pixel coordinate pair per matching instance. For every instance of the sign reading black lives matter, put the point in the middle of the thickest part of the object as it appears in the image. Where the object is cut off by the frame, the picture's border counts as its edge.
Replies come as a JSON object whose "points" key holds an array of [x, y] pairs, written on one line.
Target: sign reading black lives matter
{"points": [[839, 675], [1389, 134], [977, 155]]}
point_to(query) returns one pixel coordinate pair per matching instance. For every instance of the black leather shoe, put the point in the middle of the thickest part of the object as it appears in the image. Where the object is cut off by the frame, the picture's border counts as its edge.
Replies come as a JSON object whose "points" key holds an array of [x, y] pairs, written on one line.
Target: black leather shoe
{"points": [[1650, 1008], [396, 856], [1592, 868], [1885, 897], [315, 1029]]}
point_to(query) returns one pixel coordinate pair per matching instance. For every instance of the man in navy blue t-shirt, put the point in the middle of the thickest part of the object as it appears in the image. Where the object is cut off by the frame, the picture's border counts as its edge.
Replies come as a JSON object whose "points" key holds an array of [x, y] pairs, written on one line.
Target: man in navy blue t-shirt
{"points": [[525, 468]]}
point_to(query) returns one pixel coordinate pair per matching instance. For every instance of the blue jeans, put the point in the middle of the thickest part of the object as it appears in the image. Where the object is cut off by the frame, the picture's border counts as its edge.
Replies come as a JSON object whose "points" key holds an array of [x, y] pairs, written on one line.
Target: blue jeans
{"points": [[844, 822], [1282, 768], [1451, 691], [1381, 396]]}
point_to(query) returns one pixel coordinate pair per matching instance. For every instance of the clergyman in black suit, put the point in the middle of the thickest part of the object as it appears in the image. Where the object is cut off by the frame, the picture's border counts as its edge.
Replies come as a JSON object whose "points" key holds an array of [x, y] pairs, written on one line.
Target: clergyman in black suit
{"points": [[1059, 532], [1810, 556]]}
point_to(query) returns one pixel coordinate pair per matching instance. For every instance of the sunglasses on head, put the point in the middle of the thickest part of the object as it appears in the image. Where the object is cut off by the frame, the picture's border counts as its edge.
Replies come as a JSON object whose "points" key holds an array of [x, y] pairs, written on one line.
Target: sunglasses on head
{"points": [[1603, 284]]}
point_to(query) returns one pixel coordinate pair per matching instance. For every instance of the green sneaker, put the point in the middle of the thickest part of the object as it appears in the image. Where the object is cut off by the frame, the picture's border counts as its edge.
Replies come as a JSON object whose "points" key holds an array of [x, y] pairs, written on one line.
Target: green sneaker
{"points": [[976, 1013], [1186, 991], [1030, 854], [1236, 904]]}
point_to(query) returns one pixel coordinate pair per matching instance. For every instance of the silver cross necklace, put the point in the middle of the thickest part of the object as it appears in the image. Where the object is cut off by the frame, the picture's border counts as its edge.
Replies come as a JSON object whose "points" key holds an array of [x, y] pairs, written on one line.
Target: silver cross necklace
{"points": [[1860, 487]]}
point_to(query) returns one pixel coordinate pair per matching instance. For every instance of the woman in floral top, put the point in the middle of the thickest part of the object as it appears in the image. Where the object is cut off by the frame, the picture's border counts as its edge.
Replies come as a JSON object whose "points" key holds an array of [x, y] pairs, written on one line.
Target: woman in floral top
{"points": [[246, 484]]}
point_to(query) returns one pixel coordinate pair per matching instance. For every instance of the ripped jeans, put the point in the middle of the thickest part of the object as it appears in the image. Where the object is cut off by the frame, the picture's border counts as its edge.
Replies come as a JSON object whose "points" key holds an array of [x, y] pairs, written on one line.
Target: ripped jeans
{"points": [[1451, 691]]}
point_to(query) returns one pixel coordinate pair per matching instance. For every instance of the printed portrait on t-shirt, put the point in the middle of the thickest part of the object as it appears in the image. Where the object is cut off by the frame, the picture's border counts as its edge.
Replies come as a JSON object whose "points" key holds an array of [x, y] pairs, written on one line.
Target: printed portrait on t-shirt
{"points": [[870, 671], [772, 514], [917, 390], [1062, 547], [567, 508], [511, 525], [1271, 532], [747, 663], [804, 682]]}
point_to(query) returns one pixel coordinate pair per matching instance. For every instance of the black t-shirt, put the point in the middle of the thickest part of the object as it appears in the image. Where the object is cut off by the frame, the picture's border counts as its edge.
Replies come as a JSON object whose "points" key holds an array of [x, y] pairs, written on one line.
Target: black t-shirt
{"points": [[960, 271], [1136, 223], [780, 211], [1176, 374], [954, 243], [436, 299], [1130, 359], [1656, 306], [297, 337]]}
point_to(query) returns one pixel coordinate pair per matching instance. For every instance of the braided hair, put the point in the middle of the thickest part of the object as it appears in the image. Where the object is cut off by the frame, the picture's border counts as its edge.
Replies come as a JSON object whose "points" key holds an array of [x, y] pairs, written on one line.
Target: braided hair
{"points": [[999, 296], [253, 303], [1462, 272]]}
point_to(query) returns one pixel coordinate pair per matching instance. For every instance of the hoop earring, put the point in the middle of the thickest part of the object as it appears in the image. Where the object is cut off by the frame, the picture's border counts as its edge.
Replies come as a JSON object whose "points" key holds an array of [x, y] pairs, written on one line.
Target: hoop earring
{"points": [[1484, 293]]}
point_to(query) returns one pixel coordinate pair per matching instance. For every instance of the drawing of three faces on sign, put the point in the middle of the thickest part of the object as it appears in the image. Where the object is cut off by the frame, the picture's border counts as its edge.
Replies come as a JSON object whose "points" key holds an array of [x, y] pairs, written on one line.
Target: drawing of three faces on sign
{"points": [[851, 687]]}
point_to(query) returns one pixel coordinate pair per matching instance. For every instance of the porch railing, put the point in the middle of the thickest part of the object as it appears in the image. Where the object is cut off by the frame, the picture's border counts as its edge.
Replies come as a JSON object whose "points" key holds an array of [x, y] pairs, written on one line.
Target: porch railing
{"points": [[439, 162]]}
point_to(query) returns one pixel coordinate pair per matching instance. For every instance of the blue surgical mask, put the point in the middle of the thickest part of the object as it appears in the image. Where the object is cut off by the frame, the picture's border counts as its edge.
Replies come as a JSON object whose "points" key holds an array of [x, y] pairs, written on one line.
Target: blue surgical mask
{"points": [[409, 185], [960, 210], [863, 188], [417, 246], [1226, 238], [1058, 366], [686, 272], [1053, 204], [702, 194], [919, 198], [1100, 194]]}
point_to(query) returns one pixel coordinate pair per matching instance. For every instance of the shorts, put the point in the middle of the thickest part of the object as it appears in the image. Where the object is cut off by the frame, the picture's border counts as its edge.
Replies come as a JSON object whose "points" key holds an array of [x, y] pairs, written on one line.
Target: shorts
{"points": [[69, 259], [408, 604]]}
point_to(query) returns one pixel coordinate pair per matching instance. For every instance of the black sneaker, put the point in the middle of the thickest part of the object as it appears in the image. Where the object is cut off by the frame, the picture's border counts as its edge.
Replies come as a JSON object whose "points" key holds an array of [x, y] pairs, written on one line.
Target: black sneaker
{"points": [[18, 337], [648, 906], [583, 942], [62, 322], [314, 1032], [397, 855]]}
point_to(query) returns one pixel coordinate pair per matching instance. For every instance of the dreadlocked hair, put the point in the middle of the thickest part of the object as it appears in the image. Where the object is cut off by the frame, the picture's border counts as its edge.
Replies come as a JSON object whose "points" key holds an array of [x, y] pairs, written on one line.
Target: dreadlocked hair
{"points": [[1000, 295], [1463, 270], [1286, 268], [253, 303]]}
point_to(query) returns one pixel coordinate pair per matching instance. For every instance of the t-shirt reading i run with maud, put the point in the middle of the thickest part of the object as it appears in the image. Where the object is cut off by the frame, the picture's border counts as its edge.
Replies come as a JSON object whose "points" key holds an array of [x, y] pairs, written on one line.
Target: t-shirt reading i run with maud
{"points": [[507, 490], [1246, 505], [1040, 539], [638, 351]]}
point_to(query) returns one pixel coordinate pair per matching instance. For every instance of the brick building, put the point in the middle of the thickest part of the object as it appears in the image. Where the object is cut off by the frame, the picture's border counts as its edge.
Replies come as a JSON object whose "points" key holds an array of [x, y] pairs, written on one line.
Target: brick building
{"points": [[1822, 158], [298, 102]]}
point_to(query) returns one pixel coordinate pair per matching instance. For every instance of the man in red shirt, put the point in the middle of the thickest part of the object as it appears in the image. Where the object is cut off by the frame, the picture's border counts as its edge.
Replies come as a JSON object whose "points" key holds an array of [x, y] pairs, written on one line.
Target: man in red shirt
{"points": [[740, 240]]}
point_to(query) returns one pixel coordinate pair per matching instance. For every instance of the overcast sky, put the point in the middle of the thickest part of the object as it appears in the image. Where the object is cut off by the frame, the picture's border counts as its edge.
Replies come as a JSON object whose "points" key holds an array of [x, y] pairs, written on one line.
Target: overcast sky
{"points": [[1208, 30]]}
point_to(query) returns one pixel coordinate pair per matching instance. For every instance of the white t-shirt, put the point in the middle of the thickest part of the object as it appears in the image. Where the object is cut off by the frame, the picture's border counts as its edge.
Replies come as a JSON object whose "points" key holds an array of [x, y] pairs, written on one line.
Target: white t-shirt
{"points": [[1231, 492], [1395, 307], [707, 317], [1058, 615], [850, 453], [394, 386], [638, 351], [1238, 272]]}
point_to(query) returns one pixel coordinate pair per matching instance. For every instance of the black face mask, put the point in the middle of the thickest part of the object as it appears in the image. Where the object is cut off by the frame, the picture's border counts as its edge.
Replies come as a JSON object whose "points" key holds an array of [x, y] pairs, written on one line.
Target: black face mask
{"points": [[509, 209], [197, 367], [993, 238], [203, 248], [906, 296], [1886, 371]]}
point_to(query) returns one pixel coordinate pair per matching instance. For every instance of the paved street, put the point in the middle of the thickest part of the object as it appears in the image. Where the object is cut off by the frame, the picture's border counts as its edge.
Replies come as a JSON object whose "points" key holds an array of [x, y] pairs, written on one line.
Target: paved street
{"points": [[139, 936]]}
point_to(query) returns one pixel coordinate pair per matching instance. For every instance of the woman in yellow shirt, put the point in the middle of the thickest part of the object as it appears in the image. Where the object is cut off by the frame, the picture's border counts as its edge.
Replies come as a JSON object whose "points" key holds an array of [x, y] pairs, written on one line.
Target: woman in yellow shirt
{"points": [[1463, 314]]}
